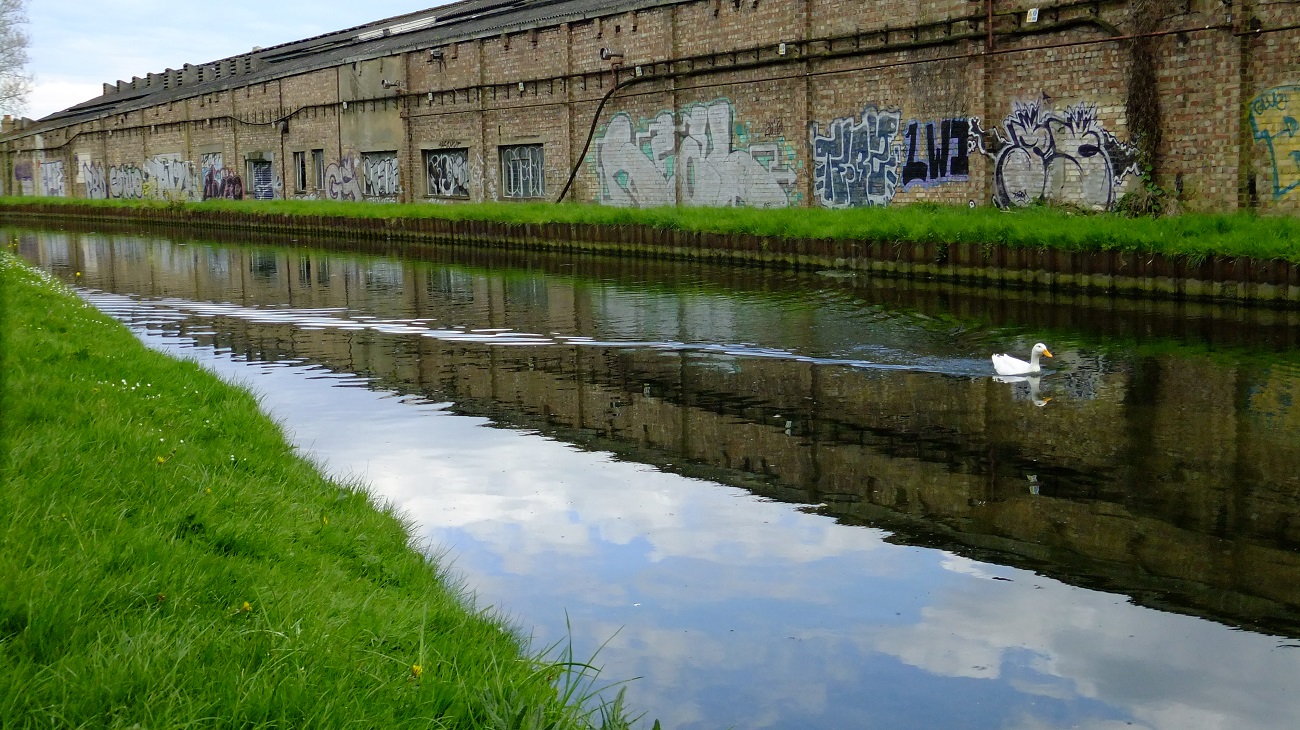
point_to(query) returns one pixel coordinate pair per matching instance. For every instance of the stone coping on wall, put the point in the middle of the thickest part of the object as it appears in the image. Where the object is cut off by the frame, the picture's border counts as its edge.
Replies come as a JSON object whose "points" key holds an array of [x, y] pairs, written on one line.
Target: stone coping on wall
{"points": [[1273, 282]]}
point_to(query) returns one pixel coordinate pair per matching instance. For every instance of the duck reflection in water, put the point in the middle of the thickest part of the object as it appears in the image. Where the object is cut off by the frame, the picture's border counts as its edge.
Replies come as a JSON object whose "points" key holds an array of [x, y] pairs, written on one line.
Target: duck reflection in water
{"points": [[1029, 391]]}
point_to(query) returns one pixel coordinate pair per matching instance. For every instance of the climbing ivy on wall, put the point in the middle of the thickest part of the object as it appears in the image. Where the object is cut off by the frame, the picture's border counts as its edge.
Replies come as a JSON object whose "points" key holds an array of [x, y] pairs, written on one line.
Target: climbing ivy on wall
{"points": [[1142, 105]]}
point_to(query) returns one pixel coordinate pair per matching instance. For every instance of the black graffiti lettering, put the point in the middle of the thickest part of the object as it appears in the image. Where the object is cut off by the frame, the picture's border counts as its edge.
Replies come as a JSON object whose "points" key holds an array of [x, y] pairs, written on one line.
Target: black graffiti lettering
{"points": [[916, 170], [947, 156], [957, 131]]}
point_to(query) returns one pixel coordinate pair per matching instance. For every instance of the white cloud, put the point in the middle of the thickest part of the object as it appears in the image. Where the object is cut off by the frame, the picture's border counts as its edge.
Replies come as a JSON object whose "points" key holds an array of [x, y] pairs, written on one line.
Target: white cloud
{"points": [[52, 94]]}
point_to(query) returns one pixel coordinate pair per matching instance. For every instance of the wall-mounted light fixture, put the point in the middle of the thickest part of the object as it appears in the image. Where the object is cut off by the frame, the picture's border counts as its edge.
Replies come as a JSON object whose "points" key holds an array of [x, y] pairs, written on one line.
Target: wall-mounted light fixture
{"points": [[609, 54], [435, 54], [395, 84]]}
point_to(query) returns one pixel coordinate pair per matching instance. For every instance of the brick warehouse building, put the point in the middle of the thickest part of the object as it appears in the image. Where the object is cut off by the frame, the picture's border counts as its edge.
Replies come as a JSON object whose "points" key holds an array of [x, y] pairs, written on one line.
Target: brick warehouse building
{"points": [[713, 102]]}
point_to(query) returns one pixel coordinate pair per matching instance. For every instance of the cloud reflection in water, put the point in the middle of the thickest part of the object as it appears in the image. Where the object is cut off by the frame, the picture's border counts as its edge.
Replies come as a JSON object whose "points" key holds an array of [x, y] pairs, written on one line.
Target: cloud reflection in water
{"points": [[739, 611]]}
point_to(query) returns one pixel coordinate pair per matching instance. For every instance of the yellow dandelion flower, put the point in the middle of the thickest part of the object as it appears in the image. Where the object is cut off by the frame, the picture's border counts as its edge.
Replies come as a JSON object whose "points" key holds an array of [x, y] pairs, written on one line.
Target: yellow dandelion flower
{"points": [[325, 520], [246, 607], [416, 670]]}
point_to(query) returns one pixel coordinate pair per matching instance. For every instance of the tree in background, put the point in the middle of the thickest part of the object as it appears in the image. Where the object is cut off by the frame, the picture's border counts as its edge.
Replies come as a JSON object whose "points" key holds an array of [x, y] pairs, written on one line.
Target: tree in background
{"points": [[15, 83]]}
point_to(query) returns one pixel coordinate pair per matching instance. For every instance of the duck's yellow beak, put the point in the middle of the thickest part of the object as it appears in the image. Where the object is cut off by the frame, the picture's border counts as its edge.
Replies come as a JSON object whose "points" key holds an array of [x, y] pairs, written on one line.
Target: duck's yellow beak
{"points": [[1047, 353]]}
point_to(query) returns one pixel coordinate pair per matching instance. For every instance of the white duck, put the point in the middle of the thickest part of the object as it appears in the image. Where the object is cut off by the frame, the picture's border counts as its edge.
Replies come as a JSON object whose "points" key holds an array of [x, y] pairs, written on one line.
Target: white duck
{"points": [[1007, 365]]}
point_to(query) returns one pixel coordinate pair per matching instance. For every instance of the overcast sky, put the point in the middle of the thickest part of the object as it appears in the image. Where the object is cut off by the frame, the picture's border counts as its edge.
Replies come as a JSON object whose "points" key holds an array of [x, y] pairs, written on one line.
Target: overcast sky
{"points": [[78, 45]]}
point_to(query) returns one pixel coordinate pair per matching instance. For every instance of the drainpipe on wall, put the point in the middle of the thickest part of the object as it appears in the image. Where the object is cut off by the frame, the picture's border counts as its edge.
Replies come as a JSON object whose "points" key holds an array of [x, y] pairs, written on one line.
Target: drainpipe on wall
{"points": [[1247, 184], [988, 26]]}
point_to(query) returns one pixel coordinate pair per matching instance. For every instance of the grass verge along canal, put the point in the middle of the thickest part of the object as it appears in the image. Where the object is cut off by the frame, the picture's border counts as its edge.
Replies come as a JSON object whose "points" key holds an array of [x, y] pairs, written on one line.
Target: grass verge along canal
{"points": [[1197, 256], [168, 559]]}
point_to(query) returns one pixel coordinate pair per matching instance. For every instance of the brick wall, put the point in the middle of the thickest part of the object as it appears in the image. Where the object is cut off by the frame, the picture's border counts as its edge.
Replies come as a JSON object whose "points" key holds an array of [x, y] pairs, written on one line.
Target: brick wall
{"points": [[753, 102], [1272, 104]]}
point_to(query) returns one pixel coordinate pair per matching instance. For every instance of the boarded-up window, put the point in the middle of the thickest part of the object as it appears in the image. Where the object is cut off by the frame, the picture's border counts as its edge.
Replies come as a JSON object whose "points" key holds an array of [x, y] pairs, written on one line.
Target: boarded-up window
{"points": [[522, 171], [447, 173], [381, 175], [263, 180]]}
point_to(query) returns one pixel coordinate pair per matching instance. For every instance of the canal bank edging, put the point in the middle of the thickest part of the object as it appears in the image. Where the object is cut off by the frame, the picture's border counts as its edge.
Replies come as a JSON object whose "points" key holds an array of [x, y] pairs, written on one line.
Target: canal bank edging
{"points": [[1242, 279]]}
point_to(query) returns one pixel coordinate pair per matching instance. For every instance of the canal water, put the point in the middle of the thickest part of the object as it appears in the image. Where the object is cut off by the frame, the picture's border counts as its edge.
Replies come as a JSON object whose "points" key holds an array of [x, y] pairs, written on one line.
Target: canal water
{"points": [[789, 500]]}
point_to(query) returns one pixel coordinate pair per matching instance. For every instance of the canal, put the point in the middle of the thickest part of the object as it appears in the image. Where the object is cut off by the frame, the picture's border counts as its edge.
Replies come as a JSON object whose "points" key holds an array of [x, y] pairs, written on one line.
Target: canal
{"points": [[788, 500]]}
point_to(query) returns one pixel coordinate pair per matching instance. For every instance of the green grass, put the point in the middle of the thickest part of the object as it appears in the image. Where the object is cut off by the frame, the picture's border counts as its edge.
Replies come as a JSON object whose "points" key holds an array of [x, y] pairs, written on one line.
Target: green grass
{"points": [[1191, 235], [167, 560]]}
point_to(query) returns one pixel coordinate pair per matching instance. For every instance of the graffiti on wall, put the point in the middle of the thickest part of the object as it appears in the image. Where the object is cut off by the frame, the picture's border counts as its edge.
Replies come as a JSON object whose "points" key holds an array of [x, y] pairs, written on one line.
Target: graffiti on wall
{"points": [[96, 180], [92, 173], [265, 181], [699, 156], [25, 175], [373, 175], [937, 152], [52, 183], [168, 176], [865, 161], [341, 180], [125, 182], [447, 172], [164, 176], [1064, 156], [218, 180], [856, 161], [381, 174], [1274, 122]]}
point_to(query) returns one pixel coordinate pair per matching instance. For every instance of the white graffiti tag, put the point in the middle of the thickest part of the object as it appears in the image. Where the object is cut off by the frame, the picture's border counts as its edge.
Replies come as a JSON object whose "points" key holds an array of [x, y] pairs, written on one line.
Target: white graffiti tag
{"points": [[382, 174], [96, 181], [52, 182], [448, 173], [126, 182], [172, 178], [1055, 156], [856, 163], [697, 157], [341, 181]]}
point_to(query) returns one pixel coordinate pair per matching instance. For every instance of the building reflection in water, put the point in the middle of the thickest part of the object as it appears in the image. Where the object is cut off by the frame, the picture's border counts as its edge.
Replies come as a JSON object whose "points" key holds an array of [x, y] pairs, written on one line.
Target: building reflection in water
{"points": [[1160, 462]]}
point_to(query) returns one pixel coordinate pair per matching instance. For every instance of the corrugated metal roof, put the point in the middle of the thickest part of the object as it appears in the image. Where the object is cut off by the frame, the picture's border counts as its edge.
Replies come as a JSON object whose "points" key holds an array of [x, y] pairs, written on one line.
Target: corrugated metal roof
{"points": [[429, 28]]}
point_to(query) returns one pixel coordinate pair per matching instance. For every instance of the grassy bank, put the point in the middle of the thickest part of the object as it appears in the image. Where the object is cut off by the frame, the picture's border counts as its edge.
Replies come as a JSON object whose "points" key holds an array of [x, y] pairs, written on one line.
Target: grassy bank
{"points": [[1192, 235], [167, 560]]}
